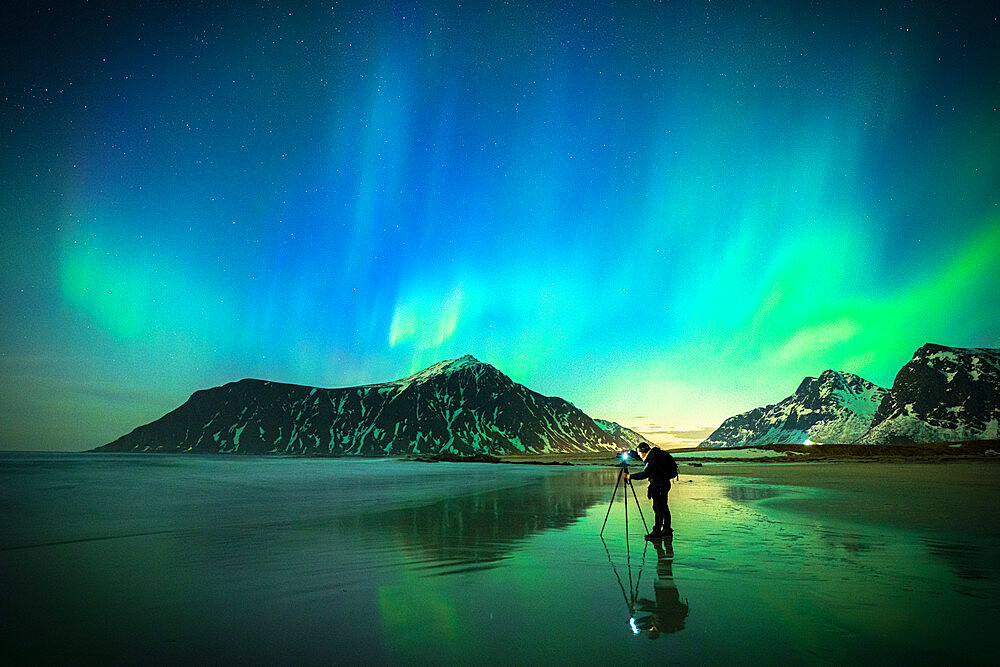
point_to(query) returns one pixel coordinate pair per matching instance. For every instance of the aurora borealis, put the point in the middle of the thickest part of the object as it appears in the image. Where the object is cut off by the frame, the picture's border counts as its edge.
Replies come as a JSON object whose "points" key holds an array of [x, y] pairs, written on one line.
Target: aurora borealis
{"points": [[664, 212]]}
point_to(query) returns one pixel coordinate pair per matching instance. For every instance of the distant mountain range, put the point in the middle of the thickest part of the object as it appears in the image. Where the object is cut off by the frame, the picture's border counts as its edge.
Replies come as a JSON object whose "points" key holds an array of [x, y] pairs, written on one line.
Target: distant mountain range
{"points": [[942, 394], [462, 407]]}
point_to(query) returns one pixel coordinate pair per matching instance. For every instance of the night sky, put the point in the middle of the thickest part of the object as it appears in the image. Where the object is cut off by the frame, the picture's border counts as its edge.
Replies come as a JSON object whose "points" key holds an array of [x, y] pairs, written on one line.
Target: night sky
{"points": [[664, 212]]}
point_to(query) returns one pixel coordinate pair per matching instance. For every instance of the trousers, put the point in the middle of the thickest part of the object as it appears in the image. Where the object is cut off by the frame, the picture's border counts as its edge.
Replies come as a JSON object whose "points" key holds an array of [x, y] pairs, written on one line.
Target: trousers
{"points": [[661, 512]]}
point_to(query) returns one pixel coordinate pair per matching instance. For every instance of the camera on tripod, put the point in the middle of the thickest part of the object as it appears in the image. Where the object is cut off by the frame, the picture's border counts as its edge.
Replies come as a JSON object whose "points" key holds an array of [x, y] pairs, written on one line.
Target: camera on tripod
{"points": [[623, 473], [629, 455]]}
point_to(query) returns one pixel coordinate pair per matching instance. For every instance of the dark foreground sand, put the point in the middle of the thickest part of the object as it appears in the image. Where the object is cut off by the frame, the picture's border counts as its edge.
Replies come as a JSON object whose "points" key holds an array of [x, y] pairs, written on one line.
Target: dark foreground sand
{"points": [[127, 559], [950, 497]]}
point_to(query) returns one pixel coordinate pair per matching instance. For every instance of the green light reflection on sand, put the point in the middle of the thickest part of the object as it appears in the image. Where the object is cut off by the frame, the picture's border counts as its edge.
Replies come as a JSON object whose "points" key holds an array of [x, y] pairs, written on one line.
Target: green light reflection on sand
{"points": [[747, 579]]}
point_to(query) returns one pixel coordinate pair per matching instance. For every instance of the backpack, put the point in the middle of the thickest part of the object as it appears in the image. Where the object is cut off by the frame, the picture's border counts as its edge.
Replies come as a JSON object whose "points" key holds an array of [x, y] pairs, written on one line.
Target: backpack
{"points": [[670, 465]]}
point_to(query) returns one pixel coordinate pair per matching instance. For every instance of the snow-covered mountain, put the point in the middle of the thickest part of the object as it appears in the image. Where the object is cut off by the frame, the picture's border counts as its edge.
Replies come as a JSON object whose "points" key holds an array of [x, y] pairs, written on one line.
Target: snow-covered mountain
{"points": [[462, 406], [942, 394], [835, 407]]}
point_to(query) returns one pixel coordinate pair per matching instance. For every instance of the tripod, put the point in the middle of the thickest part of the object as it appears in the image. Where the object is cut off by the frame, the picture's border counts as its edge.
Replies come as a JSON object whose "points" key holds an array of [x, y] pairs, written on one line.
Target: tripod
{"points": [[628, 483]]}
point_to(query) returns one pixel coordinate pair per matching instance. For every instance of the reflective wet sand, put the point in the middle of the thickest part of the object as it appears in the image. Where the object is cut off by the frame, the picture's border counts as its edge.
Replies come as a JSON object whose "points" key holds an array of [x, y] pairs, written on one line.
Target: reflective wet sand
{"points": [[137, 558]]}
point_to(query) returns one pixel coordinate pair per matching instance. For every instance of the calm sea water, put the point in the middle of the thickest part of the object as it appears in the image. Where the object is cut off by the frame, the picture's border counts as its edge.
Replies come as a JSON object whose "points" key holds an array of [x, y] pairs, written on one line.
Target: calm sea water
{"points": [[127, 559]]}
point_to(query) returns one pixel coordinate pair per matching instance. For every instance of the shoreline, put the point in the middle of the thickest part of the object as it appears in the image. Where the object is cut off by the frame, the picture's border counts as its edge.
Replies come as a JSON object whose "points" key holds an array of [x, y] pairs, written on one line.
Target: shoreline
{"points": [[979, 452]]}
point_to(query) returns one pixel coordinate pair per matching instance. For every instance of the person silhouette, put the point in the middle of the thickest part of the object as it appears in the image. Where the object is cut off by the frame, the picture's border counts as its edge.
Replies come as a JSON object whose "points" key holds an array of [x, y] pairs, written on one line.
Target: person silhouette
{"points": [[660, 468], [666, 613]]}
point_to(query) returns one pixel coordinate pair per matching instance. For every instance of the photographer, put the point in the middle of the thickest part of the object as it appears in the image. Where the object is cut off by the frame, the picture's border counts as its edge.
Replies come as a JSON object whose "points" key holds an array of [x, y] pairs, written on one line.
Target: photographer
{"points": [[660, 468]]}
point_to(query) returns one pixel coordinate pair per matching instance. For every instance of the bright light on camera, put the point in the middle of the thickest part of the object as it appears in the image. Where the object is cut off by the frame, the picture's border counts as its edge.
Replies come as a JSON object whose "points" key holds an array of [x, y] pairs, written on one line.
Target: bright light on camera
{"points": [[624, 456]]}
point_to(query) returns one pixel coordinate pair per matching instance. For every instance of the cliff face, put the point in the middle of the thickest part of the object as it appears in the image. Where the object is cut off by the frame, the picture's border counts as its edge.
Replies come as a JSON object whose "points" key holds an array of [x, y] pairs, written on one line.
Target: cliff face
{"points": [[941, 394]]}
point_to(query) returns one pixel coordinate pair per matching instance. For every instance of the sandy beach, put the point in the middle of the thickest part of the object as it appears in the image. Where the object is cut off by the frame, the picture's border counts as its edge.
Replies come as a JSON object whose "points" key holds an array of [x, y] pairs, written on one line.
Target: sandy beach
{"points": [[951, 497], [929, 487], [248, 559]]}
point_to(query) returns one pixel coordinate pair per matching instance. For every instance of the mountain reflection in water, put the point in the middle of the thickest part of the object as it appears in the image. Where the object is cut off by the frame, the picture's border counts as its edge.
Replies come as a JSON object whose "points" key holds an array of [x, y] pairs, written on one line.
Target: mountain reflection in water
{"points": [[480, 529]]}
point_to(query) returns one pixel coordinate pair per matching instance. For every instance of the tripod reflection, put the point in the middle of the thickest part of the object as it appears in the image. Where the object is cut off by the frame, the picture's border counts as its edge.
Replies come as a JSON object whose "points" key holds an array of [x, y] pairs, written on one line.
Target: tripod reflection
{"points": [[665, 612]]}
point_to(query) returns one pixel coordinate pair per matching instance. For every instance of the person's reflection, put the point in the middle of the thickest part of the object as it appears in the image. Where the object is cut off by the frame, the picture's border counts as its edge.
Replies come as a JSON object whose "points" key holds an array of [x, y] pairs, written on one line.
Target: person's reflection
{"points": [[665, 614]]}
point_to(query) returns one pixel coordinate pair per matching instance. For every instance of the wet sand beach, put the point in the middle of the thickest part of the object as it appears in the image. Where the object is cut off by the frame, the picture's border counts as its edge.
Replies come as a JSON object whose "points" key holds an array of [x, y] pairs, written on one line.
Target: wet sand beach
{"points": [[958, 497], [136, 558]]}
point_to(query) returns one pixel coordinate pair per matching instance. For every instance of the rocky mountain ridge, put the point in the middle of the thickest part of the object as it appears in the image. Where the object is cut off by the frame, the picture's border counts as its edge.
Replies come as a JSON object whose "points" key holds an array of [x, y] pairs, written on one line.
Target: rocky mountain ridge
{"points": [[942, 394], [461, 406], [835, 407]]}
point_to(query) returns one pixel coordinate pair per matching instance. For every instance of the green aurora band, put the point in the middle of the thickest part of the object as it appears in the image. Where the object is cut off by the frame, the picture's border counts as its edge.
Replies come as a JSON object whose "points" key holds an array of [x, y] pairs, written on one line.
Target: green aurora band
{"points": [[666, 214]]}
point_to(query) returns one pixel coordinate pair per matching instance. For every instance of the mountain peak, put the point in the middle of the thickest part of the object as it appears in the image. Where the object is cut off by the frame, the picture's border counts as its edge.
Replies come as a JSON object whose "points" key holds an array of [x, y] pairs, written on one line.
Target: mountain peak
{"points": [[827, 380], [835, 407], [465, 360], [934, 350], [447, 367], [830, 381]]}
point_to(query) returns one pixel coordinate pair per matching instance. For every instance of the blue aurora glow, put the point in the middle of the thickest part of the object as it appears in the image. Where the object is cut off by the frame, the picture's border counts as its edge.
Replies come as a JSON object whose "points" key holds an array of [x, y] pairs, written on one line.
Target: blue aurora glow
{"points": [[666, 213]]}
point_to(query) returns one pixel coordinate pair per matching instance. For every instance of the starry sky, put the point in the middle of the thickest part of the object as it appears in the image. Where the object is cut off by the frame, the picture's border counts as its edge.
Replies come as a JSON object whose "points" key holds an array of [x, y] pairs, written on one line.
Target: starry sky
{"points": [[665, 212]]}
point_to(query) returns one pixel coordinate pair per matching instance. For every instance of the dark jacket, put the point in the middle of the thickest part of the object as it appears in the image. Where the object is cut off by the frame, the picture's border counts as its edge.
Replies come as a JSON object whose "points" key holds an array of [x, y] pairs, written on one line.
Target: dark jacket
{"points": [[659, 469]]}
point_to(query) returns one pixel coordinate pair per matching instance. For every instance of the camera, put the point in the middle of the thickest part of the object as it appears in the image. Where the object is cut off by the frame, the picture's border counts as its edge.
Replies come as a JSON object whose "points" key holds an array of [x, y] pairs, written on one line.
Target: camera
{"points": [[629, 455]]}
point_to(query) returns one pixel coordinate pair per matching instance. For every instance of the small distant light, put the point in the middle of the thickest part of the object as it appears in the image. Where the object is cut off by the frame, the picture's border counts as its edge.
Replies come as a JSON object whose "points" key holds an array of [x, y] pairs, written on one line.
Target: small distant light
{"points": [[631, 622], [808, 442]]}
